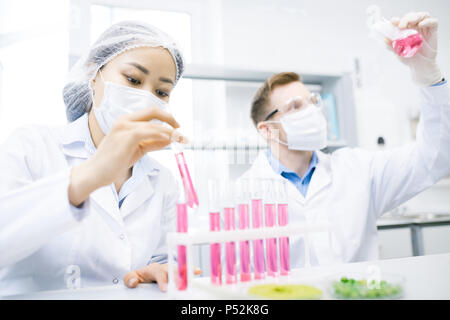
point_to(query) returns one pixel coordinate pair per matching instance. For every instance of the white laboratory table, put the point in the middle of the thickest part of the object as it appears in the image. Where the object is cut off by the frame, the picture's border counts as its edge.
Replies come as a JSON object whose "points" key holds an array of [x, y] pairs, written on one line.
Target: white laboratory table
{"points": [[426, 277]]}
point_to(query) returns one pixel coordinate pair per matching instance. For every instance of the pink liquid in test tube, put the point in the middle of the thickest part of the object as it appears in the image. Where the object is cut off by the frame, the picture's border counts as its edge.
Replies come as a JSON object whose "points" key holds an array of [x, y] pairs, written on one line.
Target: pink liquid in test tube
{"points": [[230, 248], [182, 226], [285, 266], [408, 46], [244, 246], [271, 243], [191, 195], [258, 245], [216, 265]]}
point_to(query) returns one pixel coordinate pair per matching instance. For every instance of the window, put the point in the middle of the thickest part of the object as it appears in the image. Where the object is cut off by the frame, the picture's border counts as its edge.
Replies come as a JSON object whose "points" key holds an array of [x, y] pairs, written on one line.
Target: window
{"points": [[34, 56], [176, 24]]}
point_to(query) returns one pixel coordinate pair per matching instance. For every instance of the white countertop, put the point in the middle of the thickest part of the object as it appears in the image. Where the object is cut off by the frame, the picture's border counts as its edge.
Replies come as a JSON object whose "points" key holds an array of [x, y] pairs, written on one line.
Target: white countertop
{"points": [[426, 277]]}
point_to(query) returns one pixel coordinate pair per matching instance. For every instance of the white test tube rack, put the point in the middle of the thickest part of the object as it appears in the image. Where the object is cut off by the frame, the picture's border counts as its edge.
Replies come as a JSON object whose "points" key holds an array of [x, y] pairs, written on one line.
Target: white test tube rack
{"points": [[175, 239]]}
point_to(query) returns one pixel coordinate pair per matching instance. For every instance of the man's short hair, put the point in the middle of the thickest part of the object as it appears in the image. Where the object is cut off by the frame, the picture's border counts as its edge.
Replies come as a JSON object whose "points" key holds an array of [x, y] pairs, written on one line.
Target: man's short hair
{"points": [[261, 100]]}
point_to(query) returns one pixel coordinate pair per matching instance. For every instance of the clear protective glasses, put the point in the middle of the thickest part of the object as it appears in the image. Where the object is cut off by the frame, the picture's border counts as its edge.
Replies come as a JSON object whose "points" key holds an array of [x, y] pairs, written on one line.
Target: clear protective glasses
{"points": [[297, 103]]}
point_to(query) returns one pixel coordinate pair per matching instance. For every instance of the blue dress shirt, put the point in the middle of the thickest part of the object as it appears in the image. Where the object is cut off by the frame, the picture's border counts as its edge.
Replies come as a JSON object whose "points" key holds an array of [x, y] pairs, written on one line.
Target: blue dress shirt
{"points": [[301, 184]]}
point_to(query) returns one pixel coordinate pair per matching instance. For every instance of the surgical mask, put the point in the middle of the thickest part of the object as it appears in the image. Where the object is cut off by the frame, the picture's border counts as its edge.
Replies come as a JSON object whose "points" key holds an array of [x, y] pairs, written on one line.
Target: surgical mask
{"points": [[305, 129], [119, 100]]}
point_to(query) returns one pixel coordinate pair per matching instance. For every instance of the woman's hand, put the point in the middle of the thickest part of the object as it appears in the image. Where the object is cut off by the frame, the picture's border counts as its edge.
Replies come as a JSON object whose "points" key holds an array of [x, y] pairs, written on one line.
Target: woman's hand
{"points": [[131, 137], [154, 272]]}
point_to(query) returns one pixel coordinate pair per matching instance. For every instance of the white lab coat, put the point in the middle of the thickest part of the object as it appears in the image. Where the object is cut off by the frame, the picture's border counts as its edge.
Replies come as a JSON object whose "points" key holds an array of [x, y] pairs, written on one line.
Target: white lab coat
{"points": [[46, 243], [352, 188]]}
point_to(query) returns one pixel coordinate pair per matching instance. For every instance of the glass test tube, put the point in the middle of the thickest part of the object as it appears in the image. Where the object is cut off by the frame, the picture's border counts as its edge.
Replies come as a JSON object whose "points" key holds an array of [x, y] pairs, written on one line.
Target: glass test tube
{"points": [[258, 245], [283, 217], [214, 225], [182, 226], [216, 264], [230, 248], [244, 246], [191, 194], [242, 198], [270, 221], [257, 222]]}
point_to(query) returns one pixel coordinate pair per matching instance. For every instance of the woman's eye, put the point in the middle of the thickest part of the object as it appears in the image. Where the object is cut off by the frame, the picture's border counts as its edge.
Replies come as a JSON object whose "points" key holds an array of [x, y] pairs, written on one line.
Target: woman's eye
{"points": [[161, 93], [133, 81]]}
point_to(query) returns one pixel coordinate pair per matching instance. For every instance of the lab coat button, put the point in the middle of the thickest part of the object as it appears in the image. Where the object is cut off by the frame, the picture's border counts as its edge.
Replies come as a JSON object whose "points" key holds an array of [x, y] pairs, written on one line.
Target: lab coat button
{"points": [[115, 280], [122, 236]]}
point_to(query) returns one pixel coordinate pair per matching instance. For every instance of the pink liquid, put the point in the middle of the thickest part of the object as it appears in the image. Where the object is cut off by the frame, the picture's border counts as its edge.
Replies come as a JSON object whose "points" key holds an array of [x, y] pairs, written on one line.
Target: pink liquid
{"points": [[216, 264], [409, 46], [285, 266], [230, 248], [271, 243], [182, 268], [182, 226], [258, 245], [244, 246], [191, 195]]}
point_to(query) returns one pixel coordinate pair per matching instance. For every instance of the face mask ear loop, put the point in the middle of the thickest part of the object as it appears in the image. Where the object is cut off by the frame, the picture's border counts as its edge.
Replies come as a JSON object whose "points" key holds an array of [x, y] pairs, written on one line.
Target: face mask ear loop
{"points": [[93, 91], [271, 136], [101, 75]]}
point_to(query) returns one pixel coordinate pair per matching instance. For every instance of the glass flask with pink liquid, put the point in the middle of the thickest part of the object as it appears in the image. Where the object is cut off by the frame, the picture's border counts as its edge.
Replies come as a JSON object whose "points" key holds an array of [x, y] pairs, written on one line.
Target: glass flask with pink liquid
{"points": [[405, 42]]}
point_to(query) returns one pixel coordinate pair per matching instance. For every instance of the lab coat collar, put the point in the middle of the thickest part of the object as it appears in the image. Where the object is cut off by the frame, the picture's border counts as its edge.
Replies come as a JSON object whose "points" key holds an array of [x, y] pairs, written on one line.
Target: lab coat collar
{"points": [[76, 139], [321, 176], [142, 193], [320, 179]]}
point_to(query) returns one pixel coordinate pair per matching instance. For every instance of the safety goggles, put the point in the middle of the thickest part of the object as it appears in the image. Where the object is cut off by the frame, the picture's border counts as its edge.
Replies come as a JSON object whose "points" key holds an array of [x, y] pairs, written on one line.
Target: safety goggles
{"points": [[297, 103]]}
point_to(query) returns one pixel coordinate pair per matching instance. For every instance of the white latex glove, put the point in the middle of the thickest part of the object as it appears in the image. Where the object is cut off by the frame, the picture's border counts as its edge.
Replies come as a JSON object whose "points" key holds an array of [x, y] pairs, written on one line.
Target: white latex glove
{"points": [[423, 66]]}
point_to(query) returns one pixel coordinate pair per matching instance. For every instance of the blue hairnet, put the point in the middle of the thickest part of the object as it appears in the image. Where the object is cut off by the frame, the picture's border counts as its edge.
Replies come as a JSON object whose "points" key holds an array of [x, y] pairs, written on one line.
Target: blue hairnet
{"points": [[77, 93]]}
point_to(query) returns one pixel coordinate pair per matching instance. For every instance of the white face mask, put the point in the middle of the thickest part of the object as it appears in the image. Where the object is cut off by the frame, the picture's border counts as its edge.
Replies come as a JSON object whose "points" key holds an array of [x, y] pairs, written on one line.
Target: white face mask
{"points": [[119, 100], [305, 129]]}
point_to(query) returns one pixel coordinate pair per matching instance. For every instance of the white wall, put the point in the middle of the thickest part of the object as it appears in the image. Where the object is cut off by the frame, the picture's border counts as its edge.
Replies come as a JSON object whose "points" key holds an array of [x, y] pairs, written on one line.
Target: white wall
{"points": [[34, 55]]}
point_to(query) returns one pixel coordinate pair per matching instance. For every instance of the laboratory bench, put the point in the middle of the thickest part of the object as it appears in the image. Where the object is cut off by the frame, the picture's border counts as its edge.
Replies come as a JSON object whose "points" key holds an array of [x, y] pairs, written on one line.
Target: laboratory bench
{"points": [[425, 277], [415, 223]]}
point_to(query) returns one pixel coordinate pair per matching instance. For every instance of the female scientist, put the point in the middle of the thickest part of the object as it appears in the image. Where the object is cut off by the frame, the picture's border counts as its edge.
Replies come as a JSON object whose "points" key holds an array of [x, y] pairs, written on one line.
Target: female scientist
{"points": [[83, 204]]}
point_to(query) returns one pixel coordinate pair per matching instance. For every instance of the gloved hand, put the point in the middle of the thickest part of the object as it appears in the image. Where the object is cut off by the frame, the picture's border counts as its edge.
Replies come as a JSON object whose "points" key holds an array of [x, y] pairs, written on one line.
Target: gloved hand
{"points": [[423, 66]]}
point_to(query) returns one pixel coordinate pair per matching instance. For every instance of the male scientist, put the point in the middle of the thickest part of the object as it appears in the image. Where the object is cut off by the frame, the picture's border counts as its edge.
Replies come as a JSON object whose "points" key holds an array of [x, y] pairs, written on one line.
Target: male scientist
{"points": [[350, 188]]}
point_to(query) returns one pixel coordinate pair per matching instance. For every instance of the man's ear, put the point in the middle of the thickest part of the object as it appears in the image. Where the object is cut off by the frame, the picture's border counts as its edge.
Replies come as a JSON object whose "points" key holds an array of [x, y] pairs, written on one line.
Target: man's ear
{"points": [[264, 130]]}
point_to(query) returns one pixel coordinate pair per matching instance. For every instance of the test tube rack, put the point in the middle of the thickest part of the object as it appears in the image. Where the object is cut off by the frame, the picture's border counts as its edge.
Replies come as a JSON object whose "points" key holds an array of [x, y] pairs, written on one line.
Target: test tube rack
{"points": [[189, 240]]}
